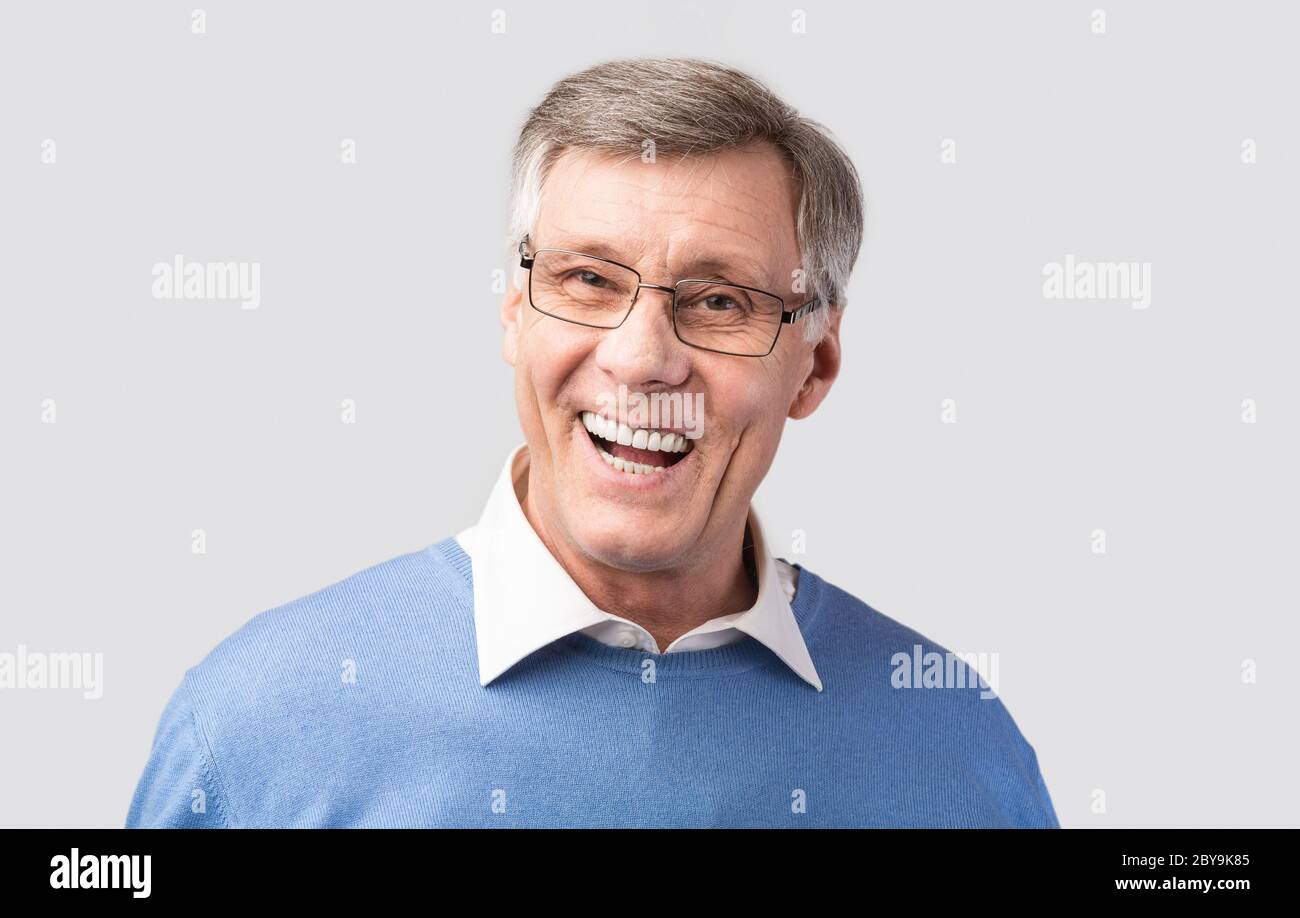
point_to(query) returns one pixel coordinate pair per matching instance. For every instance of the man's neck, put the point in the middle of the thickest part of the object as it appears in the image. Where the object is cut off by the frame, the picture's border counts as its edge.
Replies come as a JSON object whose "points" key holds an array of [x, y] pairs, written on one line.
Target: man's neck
{"points": [[667, 603]]}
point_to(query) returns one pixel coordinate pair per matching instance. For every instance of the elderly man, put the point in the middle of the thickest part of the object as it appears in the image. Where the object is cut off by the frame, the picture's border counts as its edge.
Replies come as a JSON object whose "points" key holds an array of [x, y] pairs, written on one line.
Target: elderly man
{"points": [[614, 642]]}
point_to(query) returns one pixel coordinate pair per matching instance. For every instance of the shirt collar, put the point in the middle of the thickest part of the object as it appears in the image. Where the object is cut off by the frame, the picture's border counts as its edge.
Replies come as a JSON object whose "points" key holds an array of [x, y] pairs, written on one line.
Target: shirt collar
{"points": [[524, 600]]}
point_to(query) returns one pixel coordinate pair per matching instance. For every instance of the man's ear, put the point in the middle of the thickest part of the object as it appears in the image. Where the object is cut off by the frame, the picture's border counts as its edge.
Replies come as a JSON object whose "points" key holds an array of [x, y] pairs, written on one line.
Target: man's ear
{"points": [[825, 367], [510, 318]]}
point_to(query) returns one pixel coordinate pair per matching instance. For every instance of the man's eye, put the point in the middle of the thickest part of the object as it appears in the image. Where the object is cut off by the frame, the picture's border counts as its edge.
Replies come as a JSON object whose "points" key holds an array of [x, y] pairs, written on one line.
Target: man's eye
{"points": [[719, 302], [591, 278]]}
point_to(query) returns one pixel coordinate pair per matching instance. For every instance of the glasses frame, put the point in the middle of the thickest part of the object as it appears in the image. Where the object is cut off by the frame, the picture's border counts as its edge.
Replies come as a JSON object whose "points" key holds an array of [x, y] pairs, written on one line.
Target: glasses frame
{"points": [[788, 317]]}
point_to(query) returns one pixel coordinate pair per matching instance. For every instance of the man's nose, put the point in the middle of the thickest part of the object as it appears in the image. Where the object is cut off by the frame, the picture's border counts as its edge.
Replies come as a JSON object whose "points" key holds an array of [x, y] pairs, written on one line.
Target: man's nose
{"points": [[645, 349]]}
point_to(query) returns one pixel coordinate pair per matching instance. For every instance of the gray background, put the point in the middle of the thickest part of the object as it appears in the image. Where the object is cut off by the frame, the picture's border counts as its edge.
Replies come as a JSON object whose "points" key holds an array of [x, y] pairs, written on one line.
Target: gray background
{"points": [[1122, 670]]}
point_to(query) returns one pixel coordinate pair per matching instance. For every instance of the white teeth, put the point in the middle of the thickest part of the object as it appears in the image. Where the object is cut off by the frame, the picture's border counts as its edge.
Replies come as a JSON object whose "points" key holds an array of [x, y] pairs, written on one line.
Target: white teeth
{"points": [[628, 468], [638, 438]]}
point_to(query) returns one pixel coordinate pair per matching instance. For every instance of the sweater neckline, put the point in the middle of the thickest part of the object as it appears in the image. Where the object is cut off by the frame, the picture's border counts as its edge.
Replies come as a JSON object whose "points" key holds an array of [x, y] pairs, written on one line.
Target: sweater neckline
{"points": [[737, 656]]}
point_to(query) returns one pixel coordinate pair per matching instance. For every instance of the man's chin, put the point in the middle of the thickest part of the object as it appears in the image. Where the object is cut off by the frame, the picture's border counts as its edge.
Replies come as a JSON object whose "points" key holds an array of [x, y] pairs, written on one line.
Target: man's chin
{"points": [[633, 549]]}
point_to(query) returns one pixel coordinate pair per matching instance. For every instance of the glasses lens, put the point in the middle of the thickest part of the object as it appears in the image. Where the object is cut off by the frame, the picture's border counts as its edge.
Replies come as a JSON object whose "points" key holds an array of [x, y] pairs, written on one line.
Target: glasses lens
{"points": [[581, 288], [724, 318]]}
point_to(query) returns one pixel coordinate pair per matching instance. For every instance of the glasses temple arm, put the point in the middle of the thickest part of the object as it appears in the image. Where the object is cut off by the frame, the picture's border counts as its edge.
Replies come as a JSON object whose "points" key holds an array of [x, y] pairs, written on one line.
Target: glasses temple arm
{"points": [[789, 318]]}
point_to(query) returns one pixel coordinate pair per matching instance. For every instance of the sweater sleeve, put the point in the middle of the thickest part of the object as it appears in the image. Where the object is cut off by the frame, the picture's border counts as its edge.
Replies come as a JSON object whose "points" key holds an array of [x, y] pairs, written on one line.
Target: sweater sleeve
{"points": [[180, 787], [1030, 803], [1049, 818]]}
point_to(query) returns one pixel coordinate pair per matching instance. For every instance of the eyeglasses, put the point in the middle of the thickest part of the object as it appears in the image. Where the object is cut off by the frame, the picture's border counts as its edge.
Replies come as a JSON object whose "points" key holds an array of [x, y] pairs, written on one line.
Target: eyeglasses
{"points": [[712, 315]]}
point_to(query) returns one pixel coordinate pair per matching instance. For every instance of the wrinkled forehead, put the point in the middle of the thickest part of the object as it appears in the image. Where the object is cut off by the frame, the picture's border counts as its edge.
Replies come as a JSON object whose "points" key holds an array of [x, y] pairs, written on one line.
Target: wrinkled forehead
{"points": [[733, 211]]}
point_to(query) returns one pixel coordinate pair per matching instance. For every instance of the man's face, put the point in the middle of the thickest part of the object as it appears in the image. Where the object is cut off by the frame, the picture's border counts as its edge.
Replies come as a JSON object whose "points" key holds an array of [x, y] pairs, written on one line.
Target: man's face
{"points": [[735, 209]]}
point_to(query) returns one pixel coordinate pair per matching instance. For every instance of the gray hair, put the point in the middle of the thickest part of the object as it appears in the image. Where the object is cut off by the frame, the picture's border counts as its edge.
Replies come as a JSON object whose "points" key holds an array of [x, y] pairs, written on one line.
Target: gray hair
{"points": [[692, 107]]}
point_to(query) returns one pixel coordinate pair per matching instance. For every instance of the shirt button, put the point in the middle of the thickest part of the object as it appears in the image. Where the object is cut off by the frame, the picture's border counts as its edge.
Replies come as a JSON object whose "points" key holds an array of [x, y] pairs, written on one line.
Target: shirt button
{"points": [[627, 638]]}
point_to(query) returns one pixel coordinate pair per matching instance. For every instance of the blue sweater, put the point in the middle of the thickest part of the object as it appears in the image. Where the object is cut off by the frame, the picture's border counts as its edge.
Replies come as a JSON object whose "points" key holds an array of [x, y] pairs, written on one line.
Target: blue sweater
{"points": [[360, 705]]}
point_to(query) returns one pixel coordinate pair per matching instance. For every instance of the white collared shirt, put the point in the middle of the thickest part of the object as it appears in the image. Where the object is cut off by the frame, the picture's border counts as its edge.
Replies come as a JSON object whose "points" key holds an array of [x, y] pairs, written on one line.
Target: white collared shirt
{"points": [[524, 599]]}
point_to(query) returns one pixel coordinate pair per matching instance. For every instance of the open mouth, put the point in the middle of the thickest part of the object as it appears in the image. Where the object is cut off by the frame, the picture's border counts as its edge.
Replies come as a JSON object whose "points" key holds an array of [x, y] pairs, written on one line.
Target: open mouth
{"points": [[635, 450]]}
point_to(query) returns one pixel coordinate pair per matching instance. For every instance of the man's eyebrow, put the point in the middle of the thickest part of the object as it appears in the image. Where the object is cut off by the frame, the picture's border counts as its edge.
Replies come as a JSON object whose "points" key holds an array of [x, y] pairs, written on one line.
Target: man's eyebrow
{"points": [[744, 271], [592, 246], [740, 271]]}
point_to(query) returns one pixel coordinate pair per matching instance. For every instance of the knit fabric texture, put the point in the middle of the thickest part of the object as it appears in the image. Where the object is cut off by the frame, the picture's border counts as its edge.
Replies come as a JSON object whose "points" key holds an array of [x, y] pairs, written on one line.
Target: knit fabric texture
{"points": [[360, 705]]}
